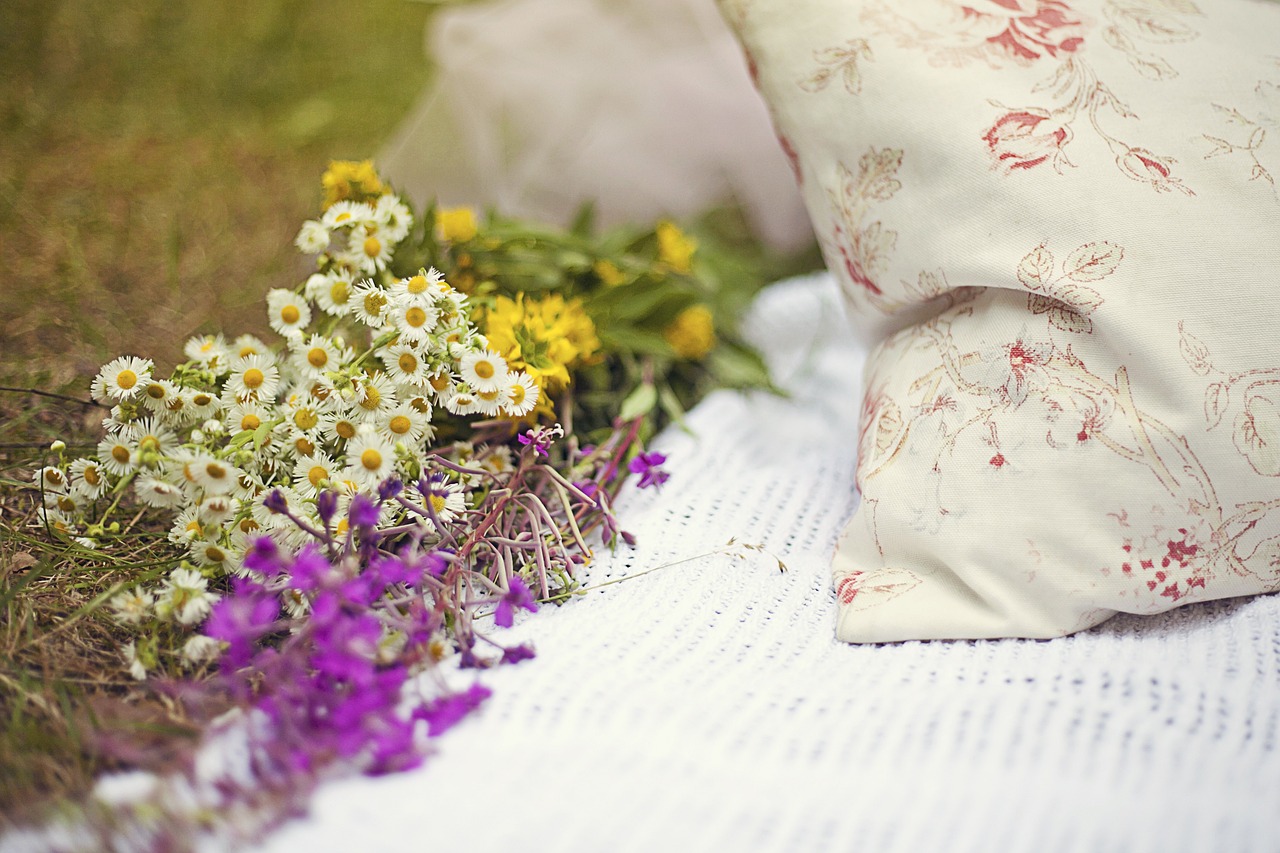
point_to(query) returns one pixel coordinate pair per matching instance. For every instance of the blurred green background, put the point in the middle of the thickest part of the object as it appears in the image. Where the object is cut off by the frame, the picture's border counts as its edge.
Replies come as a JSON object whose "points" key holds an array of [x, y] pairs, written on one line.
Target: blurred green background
{"points": [[158, 156]]}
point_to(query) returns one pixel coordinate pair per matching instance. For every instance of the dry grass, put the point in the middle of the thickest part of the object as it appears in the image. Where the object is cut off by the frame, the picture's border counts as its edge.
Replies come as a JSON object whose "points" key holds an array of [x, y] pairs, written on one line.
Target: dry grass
{"points": [[156, 159]]}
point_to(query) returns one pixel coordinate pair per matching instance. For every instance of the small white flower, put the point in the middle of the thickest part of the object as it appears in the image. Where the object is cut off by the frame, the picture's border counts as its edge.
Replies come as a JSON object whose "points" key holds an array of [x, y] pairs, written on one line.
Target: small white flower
{"points": [[332, 292], [484, 370], [375, 395], [156, 394], [314, 356], [159, 493], [338, 427], [51, 479], [461, 402], [207, 349], [395, 216], [116, 455], [200, 648], [247, 415], [369, 248], [311, 472], [416, 321], [129, 652], [522, 395], [370, 304], [370, 459], [217, 509], [287, 312], [88, 478], [214, 476], [345, 214], [206, 553], [151, 439], [313, 238], [121, 379], [247, 345], [132, 606], [404, 423], [254, 377]]}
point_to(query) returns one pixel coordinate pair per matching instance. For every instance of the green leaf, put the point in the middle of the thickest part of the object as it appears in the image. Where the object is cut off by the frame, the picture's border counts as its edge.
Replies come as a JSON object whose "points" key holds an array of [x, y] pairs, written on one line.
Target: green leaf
{"points": [[738, 367], [639, 402], [636, 341]]}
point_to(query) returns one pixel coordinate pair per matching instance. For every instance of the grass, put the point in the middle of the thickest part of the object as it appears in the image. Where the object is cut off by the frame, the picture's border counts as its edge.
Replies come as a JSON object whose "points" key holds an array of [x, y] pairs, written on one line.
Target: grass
{"points": [[156, 159]]}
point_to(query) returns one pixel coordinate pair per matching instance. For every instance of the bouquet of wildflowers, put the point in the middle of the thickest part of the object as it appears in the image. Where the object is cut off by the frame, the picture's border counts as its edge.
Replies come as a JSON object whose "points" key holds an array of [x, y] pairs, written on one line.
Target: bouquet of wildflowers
{"points": [[489, 386]]}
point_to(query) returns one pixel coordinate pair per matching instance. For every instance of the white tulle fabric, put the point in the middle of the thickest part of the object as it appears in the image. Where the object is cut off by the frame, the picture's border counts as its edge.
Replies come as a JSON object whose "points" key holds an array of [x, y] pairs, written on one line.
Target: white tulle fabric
{"points": [[708, 707], [644, 107]]}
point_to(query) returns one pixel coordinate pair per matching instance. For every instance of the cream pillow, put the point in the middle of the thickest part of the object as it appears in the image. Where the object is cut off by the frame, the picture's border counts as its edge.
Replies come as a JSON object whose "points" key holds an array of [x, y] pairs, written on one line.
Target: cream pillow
{"points": [[1059, 222]]}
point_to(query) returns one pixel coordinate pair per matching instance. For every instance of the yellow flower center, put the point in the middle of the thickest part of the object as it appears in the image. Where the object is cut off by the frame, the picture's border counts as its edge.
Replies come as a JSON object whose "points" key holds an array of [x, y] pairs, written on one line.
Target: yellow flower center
{"points": [[374, 303], [440, 382], [66, 504], [420, 405], [214, 554], [417, 284], [126, 379], [304, 446], [91, 476], [372, 246], [250, 421], [174, 404], [372, 398], [120, 453], [408, 362], [339, 292], [149, 444], [342, 217], [253, 378], [317, 475], [290, 314], [438, 503], [248, 350], [155, 391], [484, 369], [216, 471], [400, 425], [317, 357], [202, 399], [371, 459], [518, 394], [248, 525], [415, 317], [345, 429], [305, 419]]}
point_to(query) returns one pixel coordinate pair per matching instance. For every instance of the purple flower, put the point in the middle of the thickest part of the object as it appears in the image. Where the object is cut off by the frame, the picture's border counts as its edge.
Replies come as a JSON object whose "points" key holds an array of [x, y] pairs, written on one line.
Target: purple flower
{"points": [[327, 505], [388, 489], [515, 654], [264, 557], [275, 501], [647, 465], [517, 595], [539, 445], [241, 619], [309, 569], [364, 512], [446, 712]]}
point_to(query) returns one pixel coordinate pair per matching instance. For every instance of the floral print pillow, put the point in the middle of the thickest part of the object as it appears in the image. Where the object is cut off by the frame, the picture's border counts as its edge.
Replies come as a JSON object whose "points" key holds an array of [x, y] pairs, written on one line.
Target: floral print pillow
{"points": [[1059, 223]]}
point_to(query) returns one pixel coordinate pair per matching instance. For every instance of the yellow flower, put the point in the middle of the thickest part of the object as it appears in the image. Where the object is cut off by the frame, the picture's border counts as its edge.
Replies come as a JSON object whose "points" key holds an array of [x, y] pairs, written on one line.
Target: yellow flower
{"points": [[608, 273], [456, 224], [675, 248], [348, 180], [691, 334], [544, 337]]}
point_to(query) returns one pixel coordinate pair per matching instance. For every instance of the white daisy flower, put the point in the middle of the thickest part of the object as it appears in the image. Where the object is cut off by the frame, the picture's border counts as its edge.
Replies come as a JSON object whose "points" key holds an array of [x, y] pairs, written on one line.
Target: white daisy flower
{"points": [[370, 459], [484, 370], [132, 606], [51, 479], [204, 405], [496, 460], [395, 216], [339, 426], [461, 401], [369, 248], [287, 312], [522, 395], [152, 439], [156, 393], [332, 292], [415, 321], [116, 455], [311, 472], [207, 350], [247, 345], [446, 499], [162, 494], [88, 478], [370, 304], [345, 214], [200, 648], [217, 509], [405, 364], [253, 377], [375, 395], [178, 409], [56, 520], [122, 379], [186, 528], [248, 415], [212, 475], [313, 238], [405, 423], [489, 403], [208, 553], [129, 651], [418, 288], [315, 355]]}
